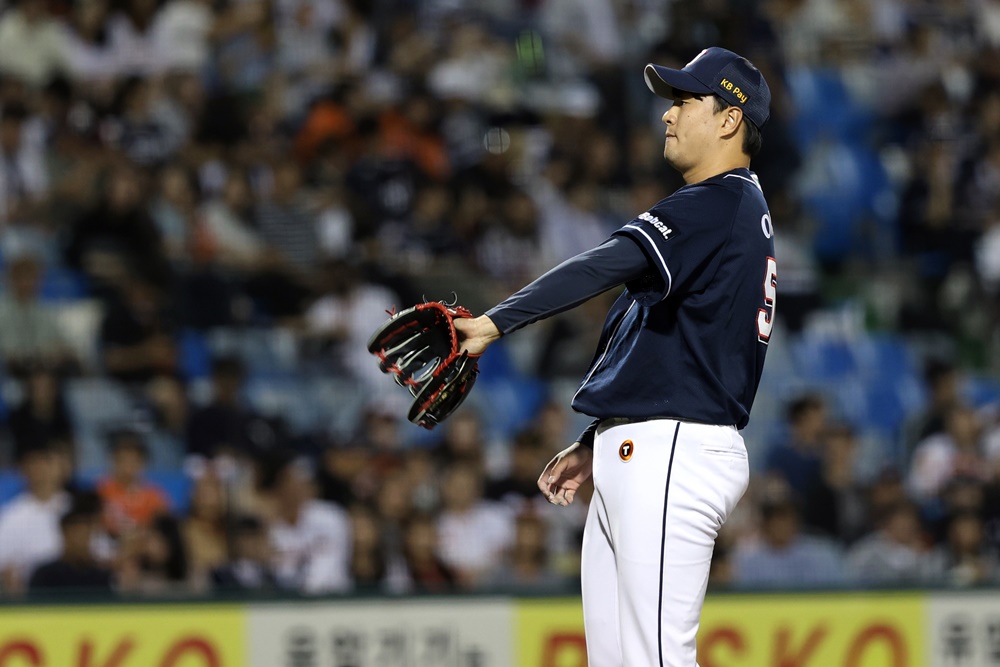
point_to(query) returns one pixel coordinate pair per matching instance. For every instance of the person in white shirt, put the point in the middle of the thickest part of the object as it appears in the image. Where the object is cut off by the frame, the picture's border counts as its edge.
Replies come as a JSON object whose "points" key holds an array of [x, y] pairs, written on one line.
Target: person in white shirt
{"points": [[30, 43], [941, 457], [29, 524], [311, 538], [475, 533]]}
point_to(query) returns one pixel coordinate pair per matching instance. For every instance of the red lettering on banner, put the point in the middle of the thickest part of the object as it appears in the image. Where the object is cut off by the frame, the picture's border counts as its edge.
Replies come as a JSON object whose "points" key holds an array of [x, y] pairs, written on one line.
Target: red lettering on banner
{"points": [[726, 635], [885, 633], [786, 657], [559, 646], [20, 648], [116, 659], [191, 645]]}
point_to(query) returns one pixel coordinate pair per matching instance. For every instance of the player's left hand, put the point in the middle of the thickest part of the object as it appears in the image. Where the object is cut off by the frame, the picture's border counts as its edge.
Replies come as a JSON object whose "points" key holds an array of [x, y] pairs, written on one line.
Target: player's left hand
{"points": [[563, 476]]}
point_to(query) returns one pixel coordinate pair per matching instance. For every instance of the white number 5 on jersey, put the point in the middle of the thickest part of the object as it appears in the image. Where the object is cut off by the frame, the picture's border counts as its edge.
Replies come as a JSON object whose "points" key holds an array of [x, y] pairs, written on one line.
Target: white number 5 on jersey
{"points": [[765, 315]]}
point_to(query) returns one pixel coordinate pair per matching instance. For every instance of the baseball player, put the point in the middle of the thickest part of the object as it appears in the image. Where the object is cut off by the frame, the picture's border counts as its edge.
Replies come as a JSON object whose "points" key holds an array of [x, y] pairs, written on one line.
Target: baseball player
{"points": [[676, 369]]}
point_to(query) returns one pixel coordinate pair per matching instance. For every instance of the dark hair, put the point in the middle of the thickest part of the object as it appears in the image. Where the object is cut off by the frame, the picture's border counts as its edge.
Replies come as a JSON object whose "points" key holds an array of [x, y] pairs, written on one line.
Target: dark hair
{"points": [[126, 438], [752, 139], [176, 566], [936, 370], [14, 111], [802, 406], [228, 365]]}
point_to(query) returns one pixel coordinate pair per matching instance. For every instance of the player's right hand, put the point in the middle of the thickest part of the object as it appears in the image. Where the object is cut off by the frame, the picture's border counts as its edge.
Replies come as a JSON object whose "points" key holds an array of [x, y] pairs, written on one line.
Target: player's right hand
{"points": [[565, 473], [475, 334]]}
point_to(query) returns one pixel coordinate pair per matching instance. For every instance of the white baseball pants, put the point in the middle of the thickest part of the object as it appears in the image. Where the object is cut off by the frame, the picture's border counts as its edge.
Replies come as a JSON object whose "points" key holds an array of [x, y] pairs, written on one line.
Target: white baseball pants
{"points": [[663, 489]]}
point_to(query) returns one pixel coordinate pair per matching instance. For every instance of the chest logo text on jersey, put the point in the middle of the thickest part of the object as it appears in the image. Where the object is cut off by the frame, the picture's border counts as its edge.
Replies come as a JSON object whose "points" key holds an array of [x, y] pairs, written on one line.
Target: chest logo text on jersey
{"points": [[665, 231]]}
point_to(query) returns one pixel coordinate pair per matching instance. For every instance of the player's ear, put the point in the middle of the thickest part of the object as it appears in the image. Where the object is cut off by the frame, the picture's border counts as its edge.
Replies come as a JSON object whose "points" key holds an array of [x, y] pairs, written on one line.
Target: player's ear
{"points": [[732, 117]]}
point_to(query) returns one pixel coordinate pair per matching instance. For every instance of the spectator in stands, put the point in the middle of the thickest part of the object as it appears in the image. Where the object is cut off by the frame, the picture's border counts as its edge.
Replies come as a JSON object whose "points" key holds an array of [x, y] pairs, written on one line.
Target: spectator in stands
{"points": [[250, 568], [369, 554], [85, 43], [311, 538], [799, 461], [24, 176], [346, 313], [130, 501], [154, 560], [394, 505], [942, 381], [519, 488], [30, 48], [526, 563], [228, 222], [116, 239], [286, 221], [835, 505], [43, 415], [463, 442], [895, 554], [29, 524], [227, 426], [341, 467], [965, 558], [173, 210], [426, 571], [206, 538], [957, 451], [785, 558], [474, 532], [422, 479], [75, 568], [30, 335], [136, 334]]}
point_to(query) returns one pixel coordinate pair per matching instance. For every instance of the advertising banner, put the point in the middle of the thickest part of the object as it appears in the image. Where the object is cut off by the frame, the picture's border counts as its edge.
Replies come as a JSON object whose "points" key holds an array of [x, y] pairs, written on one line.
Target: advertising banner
{"points": [[550, 633], [122, 636], [822, 630], [384, 633], [964, 630], [825, 630]]}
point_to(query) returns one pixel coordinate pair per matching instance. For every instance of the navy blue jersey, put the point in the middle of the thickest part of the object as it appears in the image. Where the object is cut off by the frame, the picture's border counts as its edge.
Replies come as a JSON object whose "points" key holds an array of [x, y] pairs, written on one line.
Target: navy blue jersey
{"points": [[687, 339]]}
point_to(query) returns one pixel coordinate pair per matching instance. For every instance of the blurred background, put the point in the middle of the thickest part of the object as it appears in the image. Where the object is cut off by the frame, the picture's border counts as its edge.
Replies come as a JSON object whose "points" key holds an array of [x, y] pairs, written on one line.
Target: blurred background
{"points": [[207, 206]]}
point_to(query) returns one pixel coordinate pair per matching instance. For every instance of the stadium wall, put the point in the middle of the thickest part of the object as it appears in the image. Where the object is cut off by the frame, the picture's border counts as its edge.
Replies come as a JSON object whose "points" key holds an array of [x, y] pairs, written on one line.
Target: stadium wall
{"points": [[928, 629]]}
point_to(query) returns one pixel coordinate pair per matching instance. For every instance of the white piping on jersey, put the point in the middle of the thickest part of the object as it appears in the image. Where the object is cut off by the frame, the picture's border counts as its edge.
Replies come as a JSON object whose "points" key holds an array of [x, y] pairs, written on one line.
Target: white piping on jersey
{"points": [[670, 278], [607, 347], [749, 180]]}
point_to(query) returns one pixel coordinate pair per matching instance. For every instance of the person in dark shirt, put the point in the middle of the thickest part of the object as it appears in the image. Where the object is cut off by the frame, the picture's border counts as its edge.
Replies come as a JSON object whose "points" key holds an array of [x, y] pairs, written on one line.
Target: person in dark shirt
{"points": [[226, 425], [250, 568], [75, 568], [136, 333], [43, 416], [799, 461], [521, 483], [118, 235]]}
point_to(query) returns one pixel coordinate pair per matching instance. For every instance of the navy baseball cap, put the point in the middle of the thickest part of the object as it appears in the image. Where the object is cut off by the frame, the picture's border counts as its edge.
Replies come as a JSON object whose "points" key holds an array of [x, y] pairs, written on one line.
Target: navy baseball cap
{"points": [[717, 71]]}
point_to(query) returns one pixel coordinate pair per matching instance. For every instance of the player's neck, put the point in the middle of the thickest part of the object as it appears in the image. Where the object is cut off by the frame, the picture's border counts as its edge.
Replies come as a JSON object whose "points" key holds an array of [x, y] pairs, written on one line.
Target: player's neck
{"points": [[721, 165]]}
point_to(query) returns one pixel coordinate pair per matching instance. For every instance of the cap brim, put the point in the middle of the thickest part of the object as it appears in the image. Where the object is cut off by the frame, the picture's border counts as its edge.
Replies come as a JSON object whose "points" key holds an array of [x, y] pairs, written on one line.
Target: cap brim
{"points": [[663, 80]]}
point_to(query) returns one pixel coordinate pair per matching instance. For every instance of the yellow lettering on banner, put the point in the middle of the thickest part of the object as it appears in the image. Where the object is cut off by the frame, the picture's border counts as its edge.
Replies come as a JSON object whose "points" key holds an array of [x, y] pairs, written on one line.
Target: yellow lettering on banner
{"points": [[123, 636]]}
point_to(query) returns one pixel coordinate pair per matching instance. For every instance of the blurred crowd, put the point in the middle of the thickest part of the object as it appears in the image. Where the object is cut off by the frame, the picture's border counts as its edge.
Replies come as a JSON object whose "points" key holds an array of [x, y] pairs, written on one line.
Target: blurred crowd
{"points": [[176, 174]]}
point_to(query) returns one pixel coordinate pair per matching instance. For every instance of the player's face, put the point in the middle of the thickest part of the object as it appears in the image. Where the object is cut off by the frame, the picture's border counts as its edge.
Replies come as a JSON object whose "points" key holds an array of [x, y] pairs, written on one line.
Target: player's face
{"points": [[692, 125]]}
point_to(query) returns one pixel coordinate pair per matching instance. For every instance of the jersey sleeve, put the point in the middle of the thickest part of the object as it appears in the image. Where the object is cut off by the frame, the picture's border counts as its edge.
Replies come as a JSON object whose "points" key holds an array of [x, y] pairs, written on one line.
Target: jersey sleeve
{"points": [[681, 236]]}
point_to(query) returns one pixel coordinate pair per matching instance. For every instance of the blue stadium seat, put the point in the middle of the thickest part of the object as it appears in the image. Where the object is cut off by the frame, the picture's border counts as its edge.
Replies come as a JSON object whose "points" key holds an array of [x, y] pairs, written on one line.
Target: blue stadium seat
{"points": [[62, 284], [195, 355], [11, 484], [176, 485]]}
